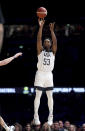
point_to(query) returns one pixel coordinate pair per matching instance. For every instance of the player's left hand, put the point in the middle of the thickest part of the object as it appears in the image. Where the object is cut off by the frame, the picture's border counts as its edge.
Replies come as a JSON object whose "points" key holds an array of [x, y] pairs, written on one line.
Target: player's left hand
{"points": [[18, 54], [51, 25]]}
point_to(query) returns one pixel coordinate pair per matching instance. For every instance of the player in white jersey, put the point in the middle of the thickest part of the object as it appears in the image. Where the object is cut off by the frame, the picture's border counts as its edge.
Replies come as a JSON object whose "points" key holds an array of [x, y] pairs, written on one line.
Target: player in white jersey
{"points": [[44, 76]]}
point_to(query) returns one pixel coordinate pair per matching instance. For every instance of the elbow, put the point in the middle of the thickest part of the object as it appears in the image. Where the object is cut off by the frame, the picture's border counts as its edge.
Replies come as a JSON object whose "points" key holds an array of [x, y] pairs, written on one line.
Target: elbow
{"points": [[38, 38]]}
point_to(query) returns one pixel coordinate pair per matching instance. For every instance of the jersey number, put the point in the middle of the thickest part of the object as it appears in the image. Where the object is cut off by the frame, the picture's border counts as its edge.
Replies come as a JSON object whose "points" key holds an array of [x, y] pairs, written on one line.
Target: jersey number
{"points": [[46, 61]]}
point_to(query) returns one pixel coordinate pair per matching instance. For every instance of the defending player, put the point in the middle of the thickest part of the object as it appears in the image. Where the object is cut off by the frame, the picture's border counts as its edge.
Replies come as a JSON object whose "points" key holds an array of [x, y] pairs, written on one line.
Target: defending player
{"points": [[8, 60], [4, 125]]}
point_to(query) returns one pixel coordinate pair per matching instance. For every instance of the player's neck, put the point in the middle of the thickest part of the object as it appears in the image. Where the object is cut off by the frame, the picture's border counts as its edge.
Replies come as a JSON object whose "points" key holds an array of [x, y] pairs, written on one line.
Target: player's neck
{"points": [[47, 49]]}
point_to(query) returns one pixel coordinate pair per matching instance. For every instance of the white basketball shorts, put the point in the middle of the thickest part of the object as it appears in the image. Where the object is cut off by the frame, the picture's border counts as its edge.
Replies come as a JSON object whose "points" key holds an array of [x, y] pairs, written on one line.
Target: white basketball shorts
{"points": [[43, 79]]}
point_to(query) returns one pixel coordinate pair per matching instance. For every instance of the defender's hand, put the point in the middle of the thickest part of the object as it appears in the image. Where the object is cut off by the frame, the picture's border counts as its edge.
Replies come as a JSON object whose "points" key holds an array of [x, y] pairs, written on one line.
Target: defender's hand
{"points": [[18, 54], [51, 25]]}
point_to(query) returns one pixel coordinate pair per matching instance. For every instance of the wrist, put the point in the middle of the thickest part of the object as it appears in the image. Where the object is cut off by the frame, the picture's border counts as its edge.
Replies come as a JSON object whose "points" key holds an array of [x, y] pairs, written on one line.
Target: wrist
{"points": [[14, 57], [41, 27], [52, 30]]}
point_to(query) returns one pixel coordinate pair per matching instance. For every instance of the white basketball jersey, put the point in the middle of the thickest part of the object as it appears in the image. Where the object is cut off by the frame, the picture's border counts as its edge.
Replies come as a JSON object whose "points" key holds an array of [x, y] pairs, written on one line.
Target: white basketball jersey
{"points": [[46, 61]]}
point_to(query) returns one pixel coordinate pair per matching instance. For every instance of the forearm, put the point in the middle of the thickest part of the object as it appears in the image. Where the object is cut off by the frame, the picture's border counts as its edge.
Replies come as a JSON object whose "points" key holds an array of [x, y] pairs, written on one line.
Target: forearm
{"points": [[3, 124], [54, 39], [6, 61], [54, 42], [39, 35]]}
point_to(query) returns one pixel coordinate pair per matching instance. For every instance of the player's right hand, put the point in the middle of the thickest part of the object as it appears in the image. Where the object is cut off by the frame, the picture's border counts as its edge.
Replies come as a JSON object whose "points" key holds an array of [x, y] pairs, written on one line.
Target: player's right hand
{"points": [[41, 22]]}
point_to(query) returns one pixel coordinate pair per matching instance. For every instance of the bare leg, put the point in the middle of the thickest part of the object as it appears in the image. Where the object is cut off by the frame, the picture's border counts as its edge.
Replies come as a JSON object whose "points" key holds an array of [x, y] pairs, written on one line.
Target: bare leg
{"points": [[3, 124], [50, 106], [36, 105]]}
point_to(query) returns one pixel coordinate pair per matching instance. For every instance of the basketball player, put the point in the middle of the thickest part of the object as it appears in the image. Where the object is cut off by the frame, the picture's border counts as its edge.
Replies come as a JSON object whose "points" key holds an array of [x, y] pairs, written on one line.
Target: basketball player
{"points": [[2, 63], [8, 60], [44, 76], [1, 28], [4, 125]]}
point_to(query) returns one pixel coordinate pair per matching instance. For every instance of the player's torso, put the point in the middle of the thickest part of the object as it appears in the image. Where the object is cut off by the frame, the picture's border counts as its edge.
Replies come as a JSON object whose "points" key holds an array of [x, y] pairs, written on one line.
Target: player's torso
{"points": [[46, 61]]}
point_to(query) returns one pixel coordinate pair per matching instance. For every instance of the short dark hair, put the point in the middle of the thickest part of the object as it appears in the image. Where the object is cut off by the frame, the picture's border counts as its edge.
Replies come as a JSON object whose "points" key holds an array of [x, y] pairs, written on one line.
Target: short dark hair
{"points": [[48, 39]]}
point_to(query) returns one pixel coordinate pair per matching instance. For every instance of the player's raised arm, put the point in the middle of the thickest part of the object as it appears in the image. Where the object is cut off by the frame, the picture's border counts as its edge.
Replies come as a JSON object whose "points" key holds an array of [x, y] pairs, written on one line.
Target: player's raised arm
{"points": [[54, 40], [39, 36], [8, 60]]}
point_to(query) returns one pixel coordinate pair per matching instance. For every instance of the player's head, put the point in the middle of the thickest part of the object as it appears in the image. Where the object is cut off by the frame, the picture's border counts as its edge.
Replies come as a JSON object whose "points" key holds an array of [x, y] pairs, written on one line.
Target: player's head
{"points": [[47, 43]]}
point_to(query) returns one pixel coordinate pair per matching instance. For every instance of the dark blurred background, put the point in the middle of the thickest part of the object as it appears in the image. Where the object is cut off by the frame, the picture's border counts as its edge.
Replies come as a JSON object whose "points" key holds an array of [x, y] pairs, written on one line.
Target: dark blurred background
{"points": [[20, 34]]}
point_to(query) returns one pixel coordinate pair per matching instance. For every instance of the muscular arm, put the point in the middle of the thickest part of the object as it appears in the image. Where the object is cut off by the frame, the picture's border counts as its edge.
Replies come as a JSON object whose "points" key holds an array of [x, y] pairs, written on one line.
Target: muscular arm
{"points": [[54, 40], [3, 124], [39, 41], [8, 60], [39, 36]]}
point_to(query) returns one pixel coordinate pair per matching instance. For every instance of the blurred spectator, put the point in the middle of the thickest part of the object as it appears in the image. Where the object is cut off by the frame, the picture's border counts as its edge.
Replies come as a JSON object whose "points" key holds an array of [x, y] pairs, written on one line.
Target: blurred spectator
{"points": [[72, 128], [46, 127], [18, 127], [56, 126], [61, 126], [52, 127], [67, 30], [29, 31], [37, 127], [83, 127], [28, 127], [1, 28], [67, 125]]}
